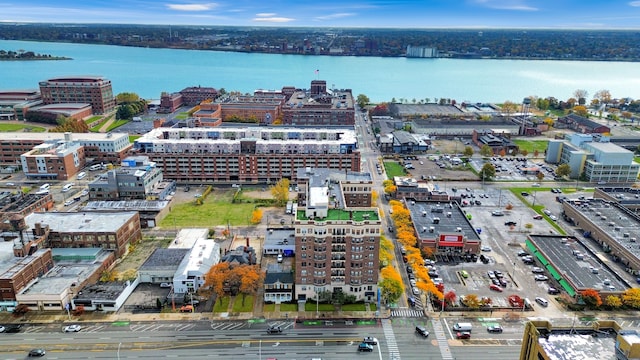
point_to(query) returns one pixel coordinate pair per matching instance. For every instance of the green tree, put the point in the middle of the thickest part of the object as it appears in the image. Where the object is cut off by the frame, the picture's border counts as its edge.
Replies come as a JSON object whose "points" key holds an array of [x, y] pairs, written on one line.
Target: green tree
{"points": [[280, 191], [125, 111], [362, 100], [487, 172], [486, 150], [391, 290], [468, 151], [127, 98], [563, 170]]}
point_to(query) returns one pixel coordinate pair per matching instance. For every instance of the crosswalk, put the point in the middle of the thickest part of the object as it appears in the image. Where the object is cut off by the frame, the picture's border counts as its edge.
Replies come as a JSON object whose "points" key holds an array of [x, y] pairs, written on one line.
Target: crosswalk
{"points": [[441, 338], [227, 325], [160, 327], [407, 313], [389, 335]]}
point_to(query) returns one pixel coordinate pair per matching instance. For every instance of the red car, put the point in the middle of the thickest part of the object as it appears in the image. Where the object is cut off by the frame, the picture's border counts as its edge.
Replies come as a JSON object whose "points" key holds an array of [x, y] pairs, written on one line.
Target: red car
{"points": [[537, 217], [495, 287], [463, 335]]}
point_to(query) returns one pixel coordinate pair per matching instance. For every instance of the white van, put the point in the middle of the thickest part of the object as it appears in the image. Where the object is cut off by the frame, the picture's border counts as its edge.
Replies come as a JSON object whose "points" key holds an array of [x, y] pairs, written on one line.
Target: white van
{"points": [[67, 187], [45, 187], [462, 327], [81, 175]]}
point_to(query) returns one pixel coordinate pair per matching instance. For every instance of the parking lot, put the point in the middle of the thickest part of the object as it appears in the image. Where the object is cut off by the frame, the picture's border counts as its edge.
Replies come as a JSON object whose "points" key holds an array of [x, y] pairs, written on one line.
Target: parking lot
{"points": [[516, 168]]}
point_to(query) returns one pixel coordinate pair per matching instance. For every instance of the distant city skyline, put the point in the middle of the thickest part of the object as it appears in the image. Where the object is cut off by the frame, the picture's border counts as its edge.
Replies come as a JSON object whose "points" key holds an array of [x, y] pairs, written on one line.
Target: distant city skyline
{"points": [[563, 14]]}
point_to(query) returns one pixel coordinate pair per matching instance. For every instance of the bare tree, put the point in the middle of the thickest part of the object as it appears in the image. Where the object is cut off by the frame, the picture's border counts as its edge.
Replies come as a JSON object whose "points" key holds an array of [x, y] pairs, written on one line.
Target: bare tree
{"points": [[581, 95]]}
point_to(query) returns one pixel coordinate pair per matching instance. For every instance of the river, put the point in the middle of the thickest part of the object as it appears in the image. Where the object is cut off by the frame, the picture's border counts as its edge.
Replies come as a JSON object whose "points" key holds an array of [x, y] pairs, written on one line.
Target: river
{"points": [[148, 72]]}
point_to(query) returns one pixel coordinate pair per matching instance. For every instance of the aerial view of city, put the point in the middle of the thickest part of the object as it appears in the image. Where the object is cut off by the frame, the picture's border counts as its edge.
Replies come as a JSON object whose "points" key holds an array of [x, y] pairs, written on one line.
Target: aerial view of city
{"points": [[287, 180]]}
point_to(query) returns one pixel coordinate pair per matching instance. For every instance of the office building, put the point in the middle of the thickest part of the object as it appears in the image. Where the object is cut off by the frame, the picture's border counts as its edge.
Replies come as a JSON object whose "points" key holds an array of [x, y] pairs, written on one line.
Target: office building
{"points": [[94, 90], [137, 178], [601, 162], [58, 160], [319, 107]]}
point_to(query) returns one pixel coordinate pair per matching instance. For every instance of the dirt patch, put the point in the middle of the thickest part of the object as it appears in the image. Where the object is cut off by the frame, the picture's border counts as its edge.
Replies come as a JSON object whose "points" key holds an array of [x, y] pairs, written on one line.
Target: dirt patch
{"points": [[141, 251]]}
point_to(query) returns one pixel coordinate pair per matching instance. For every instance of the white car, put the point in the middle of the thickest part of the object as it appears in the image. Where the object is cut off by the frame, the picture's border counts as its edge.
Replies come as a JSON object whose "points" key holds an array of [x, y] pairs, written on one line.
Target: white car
{"points": [[279, 258], [69, 202], [485, 248], [541, 278], [412, 282], [72, 328], [415, 291]]}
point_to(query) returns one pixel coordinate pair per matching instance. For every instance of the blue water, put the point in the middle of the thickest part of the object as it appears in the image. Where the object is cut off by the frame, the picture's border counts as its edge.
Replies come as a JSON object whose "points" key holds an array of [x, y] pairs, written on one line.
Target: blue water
{"points": [[148, 72]]}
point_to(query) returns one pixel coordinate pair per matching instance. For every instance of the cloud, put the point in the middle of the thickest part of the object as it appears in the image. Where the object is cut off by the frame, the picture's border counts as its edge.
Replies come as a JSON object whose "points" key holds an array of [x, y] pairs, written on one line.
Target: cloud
{"points": [[192, 7], [634, 3], [517, 5], [262, 15], [335, 16], [273, 19]]}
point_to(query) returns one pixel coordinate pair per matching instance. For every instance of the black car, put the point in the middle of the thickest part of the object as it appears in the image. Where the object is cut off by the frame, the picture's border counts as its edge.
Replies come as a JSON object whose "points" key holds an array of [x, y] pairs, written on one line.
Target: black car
{"points": [[13, 328], [421, 330], [274, 329], [37, 353], [524, 193], [365, 347], [494, 329], [510, 223], [522, 253]]}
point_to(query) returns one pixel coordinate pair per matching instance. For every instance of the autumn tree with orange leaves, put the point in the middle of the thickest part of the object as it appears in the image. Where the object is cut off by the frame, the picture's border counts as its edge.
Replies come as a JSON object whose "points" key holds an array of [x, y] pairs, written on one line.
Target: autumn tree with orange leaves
{"points": [[224, 278], [256, 216], [591, 298]]}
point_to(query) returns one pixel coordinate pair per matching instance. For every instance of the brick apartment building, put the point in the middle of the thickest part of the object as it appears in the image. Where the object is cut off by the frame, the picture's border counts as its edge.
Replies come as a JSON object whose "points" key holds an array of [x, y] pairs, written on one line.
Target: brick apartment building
{"points": [[98, 147], [317, 107], [94, 90], [17, 273], [337, 235], [196, 94], [53, 161], [257, 155]]}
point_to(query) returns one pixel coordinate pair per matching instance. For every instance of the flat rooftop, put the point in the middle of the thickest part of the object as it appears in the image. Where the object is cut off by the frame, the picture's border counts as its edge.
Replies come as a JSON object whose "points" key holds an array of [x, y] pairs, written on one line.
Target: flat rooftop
{"points": [[613, 219], [80, 222], [567, 346], [44, 136], [344, 215], [126, 205], [561, 252], [451, 216], [164, 259]]}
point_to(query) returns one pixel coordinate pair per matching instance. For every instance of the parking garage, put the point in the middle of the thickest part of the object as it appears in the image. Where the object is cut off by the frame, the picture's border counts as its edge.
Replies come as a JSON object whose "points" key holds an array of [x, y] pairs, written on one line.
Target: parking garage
{"points": [[613, 227], [574, 265]]}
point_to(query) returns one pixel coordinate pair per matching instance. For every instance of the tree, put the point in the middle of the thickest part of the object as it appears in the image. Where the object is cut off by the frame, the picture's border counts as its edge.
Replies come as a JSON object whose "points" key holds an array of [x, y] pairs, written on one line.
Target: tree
{"points": [[216, 277], [613, 301], [66, 124], [563, 170], [21, 310], [125, 111], [487, 172], [540, 176], [581, 110], [127, 97], [581, 95], [391, 290], [472, 301], [528, 226], [109, 276], [280, 191], [631, 298], [250, 279], [524, 152], [603, 97], [508, 108], [256, 216], [591, 298], [468, 151], [362, 100], [486, 150]]}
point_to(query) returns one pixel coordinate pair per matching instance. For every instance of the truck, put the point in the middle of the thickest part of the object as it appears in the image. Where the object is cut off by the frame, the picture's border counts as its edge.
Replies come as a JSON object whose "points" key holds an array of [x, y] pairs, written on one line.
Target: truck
{"points": [[289, 207], [462, 327]]}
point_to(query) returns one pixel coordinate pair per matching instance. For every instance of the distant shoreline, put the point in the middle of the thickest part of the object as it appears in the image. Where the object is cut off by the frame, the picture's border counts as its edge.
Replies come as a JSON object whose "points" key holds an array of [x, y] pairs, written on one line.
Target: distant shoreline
{"points": [[22, 55]]}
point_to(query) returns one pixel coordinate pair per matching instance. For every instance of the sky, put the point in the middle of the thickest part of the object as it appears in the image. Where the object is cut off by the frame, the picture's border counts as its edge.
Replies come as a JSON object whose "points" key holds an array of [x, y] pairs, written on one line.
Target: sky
{"points": [[554, 14]]}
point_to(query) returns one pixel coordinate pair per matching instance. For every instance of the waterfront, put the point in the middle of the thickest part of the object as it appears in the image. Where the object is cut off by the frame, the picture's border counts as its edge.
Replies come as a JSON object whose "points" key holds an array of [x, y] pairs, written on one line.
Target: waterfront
{"points": [[149, 72]]}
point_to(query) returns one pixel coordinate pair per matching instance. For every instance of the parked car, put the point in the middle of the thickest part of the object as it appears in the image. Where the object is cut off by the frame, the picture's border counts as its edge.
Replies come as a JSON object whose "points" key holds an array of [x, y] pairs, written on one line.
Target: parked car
{"points": [[165, 285], [14, 328], [541, 278], [498, 273], [542, 301], [279, 258], [415, 291], [553, 291], [546, 212], [537, 270], [72, 328], [495, 287], [537, 217], [463, 335], [485, 248], [522, 253], [496, 328], [510, 223], [497, 213], [272, 329], [524, 193], [365, 347], [420, 330], [370, 340]]}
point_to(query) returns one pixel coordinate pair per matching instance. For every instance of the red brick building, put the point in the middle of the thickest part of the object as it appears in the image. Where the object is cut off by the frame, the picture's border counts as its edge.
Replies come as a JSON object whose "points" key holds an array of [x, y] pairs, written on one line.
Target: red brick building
{"points": [[19, 272], [94, 90]]}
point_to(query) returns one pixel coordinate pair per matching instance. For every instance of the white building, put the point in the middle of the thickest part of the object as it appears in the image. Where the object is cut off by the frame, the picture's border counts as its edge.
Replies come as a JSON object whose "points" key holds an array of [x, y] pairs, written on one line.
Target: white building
{"points": [[204, 253]]}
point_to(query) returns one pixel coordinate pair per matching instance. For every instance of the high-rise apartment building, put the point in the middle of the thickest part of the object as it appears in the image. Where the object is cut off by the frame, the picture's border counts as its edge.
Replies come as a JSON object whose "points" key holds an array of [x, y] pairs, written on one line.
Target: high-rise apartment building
{"points": [[337, 235]]}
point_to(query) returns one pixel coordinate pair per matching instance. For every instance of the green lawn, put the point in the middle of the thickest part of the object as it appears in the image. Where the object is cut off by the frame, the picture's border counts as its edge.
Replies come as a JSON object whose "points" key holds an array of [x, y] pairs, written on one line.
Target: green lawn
{"points": [[394, 169], [288, 307], [133, 138], [311, 306], [353, 307], [221, 304], [269, 307], [239, 307], [532, 145], [636, 159], [20, 127], [116, 124], [217, 209], [182, 116]]}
